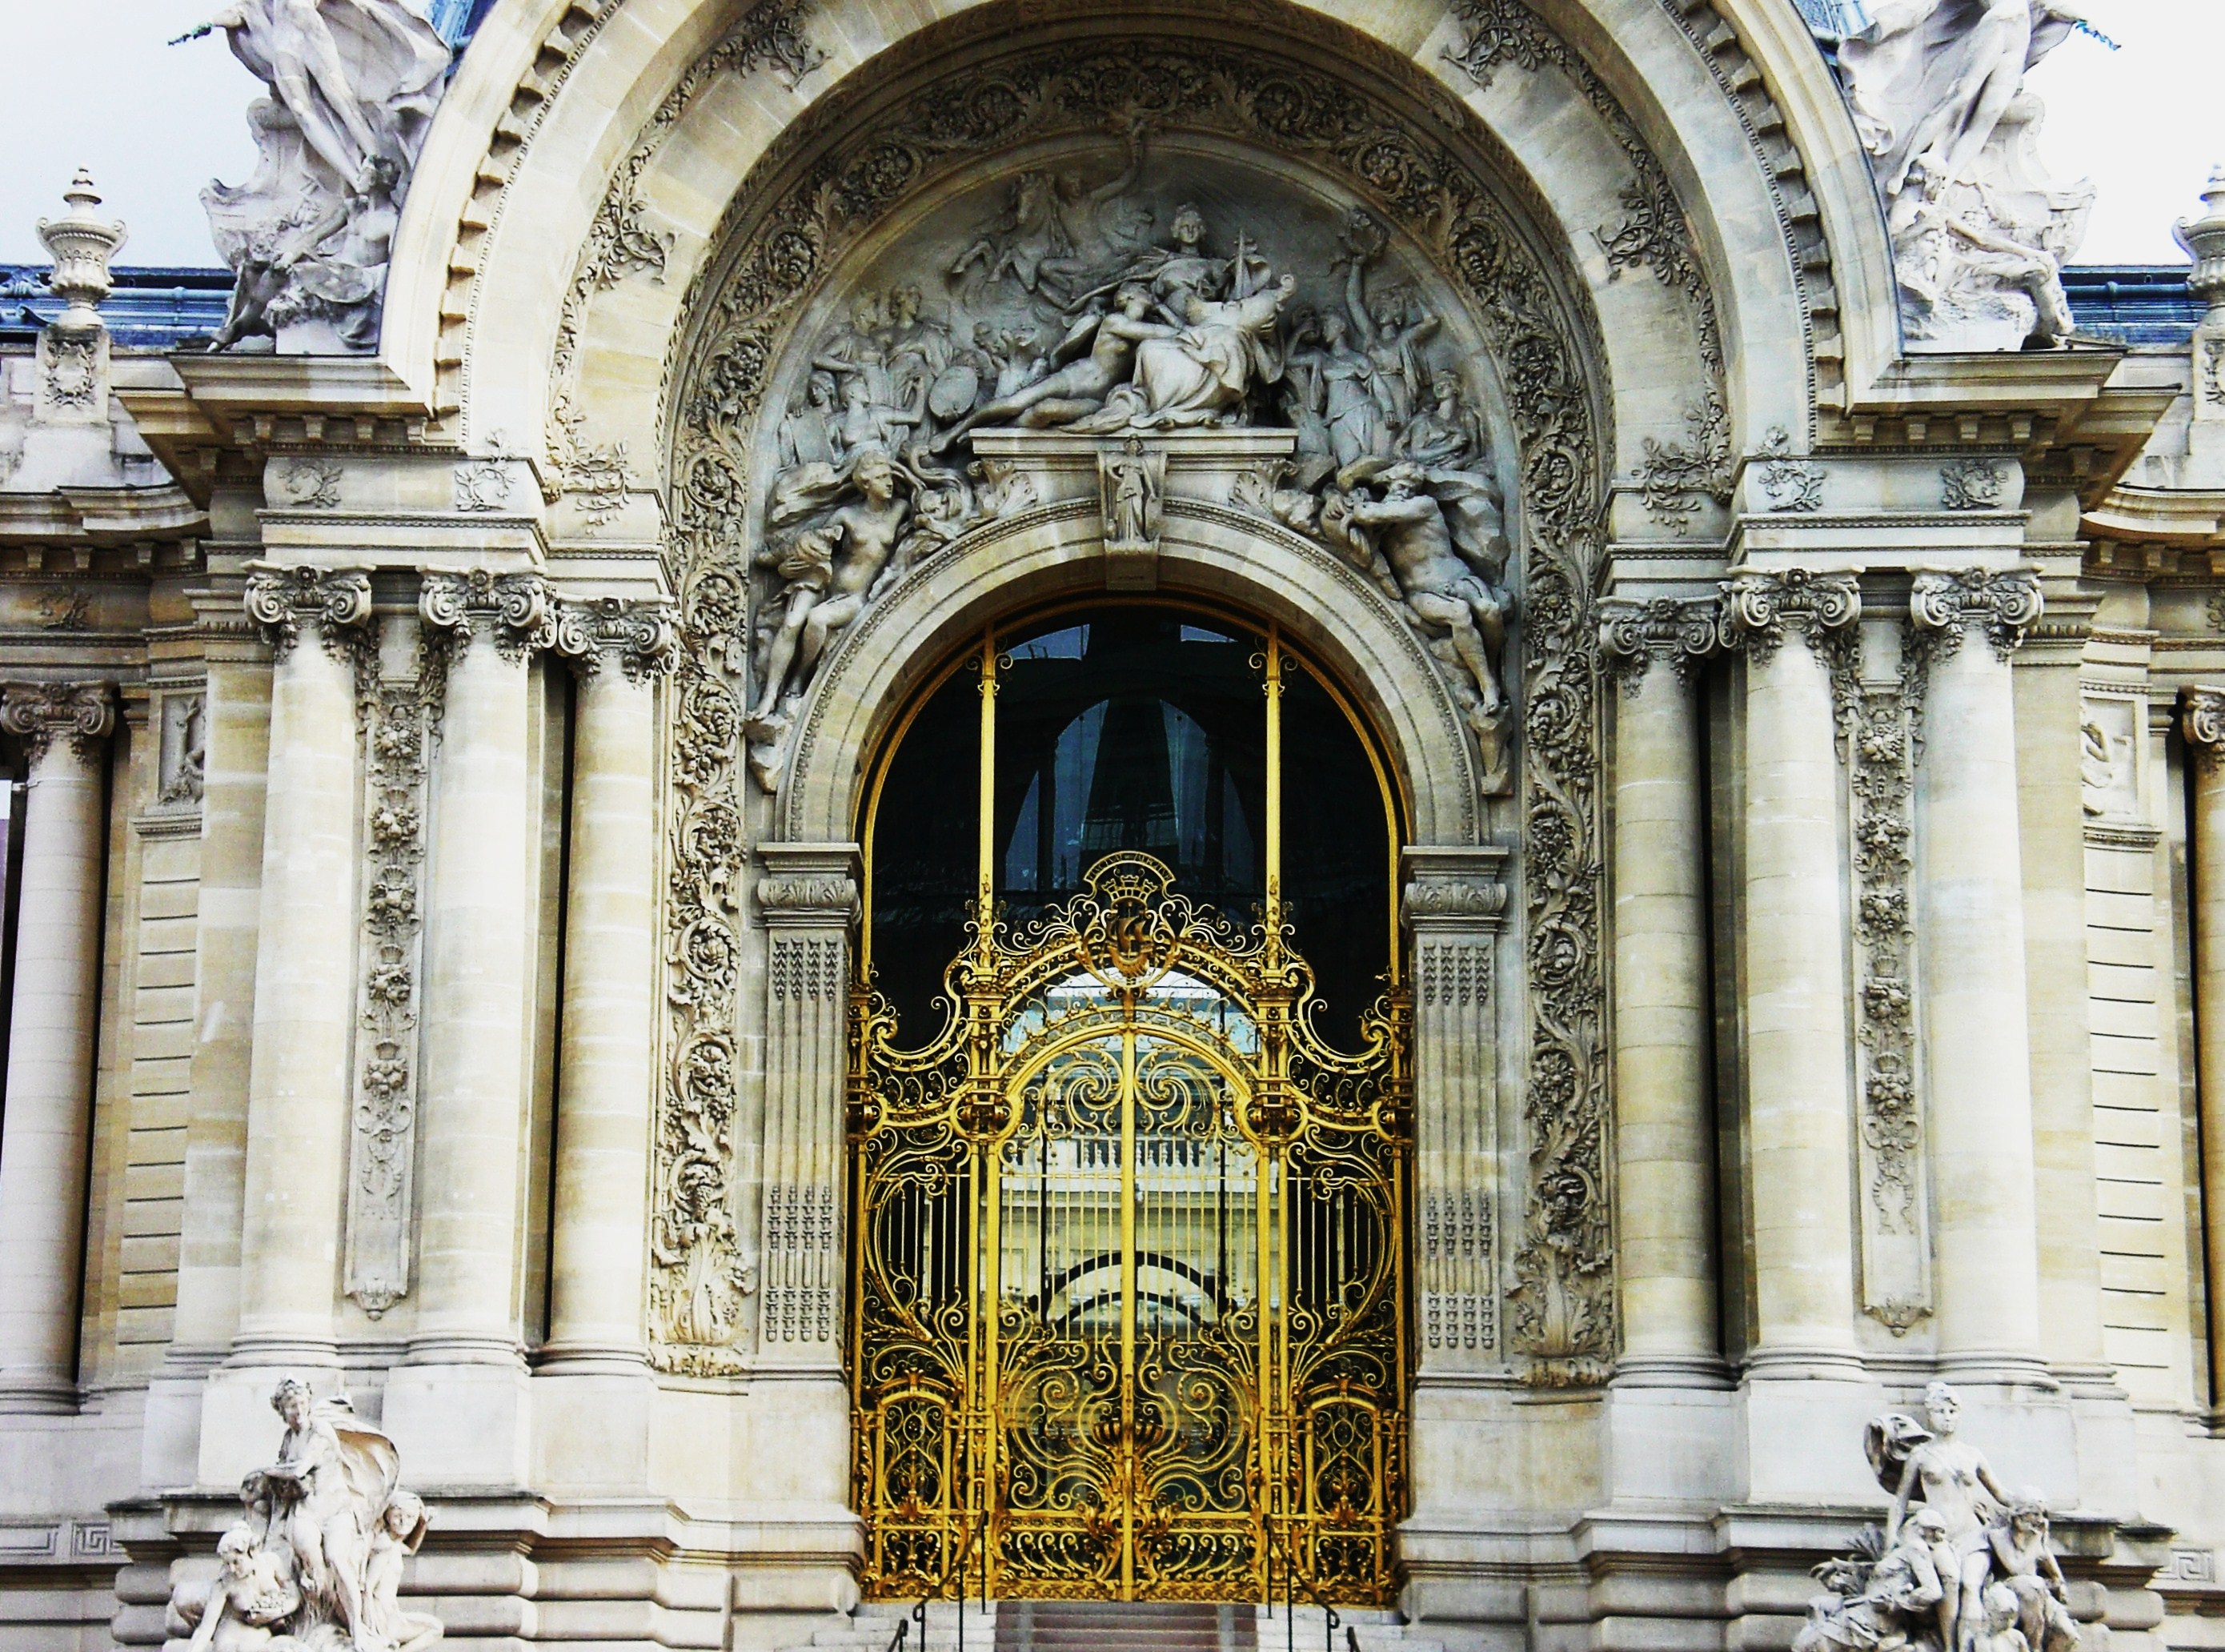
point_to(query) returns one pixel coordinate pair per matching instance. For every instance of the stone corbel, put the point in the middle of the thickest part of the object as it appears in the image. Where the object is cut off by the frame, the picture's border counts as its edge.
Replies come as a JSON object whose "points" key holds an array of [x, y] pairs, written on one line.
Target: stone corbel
{"points": [[640, 635], [39, 713], [1944, 603], [1760, 610], [516, 609], [335, 601], [809, 898], [1679, 630], [1454, 906]]}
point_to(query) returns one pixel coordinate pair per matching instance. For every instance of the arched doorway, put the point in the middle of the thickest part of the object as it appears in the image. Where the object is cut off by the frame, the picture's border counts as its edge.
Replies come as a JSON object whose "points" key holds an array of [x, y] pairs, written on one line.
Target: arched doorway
{"points": [[1129, 1170]]}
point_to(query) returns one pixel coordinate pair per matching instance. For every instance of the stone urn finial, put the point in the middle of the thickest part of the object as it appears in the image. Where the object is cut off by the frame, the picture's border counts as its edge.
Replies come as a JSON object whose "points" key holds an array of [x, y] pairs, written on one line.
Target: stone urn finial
{"points": [[82, 243], [2203, 238]]}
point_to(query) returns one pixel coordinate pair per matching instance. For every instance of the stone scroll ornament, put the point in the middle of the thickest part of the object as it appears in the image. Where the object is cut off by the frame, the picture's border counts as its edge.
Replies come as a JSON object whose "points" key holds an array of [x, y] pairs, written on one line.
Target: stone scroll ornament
{"points": [[353, 86], [1941, 102], [1961, 1565], [881, 454], [314, 1562], [334, 603], [40, 714]]}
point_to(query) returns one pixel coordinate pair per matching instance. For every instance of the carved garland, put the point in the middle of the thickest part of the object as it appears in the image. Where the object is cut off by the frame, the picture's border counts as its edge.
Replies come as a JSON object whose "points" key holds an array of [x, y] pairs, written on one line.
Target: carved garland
{"points": [[1563, 1304]]}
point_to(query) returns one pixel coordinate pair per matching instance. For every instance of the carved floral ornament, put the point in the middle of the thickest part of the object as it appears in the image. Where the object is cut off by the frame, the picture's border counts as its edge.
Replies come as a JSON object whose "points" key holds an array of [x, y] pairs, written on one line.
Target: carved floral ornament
{"points": [[2006, 603], [1634, 634], [39, 713], [730, 402], [281, 600], [1760, 609], [2201, 721]]}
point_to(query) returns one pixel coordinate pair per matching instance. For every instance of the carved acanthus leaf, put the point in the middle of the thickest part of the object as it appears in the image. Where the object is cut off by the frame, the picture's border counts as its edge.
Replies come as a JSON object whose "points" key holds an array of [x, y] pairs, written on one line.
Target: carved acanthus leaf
{"points": [[1760, 609], [2005, 603], [1681, 631], [335, 601], [515, 609]]}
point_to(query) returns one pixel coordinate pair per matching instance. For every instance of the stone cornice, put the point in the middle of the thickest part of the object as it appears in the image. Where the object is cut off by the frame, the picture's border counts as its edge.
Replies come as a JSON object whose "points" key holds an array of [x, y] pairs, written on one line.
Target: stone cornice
{"points": [[280, 600], [38, 712], [1453, 889], [808, 885]]}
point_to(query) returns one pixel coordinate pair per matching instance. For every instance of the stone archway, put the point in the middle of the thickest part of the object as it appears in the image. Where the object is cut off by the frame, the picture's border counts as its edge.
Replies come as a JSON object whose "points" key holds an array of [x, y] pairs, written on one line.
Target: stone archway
{"points": [[801, 237]]}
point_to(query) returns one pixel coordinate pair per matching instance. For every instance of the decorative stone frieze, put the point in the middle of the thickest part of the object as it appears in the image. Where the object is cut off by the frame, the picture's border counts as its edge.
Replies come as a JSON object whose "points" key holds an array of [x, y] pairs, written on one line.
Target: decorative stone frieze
{"points": [[1944, 605], [1454, 904], [1760, 610], [516, 609], [639, 636], [1634, 634], [39, 713], [335, 601]]}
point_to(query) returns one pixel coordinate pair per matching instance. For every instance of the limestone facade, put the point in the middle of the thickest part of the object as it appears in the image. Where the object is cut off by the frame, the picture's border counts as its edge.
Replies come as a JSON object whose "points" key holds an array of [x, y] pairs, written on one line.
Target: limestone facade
{"points": [[441, 741]]}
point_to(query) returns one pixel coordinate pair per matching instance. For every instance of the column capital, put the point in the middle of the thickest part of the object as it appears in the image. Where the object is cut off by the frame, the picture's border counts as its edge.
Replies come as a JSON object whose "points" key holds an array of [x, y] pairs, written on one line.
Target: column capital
{"points": [[1453, 889], [808, 885], [639, 635], [1947, 602], [38, 712], [1634, 634], [337, 601], [515, 609], [2202, 720], [1760, 609]]}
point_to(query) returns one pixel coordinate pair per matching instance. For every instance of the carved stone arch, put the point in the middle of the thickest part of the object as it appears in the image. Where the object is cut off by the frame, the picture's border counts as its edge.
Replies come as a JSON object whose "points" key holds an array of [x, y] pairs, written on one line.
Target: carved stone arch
{"points": [[1403, 153], [1227, 555], [1731, 95]]}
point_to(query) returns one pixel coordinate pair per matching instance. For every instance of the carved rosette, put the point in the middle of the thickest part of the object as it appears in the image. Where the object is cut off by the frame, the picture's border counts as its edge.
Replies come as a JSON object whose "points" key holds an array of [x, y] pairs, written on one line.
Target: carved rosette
{"points": [[1454, 907], [639, 636], [515, 609], [39, 713], [2202, 720], [336, 602], [1944, 605], [1760, 609], [1633, 634]]}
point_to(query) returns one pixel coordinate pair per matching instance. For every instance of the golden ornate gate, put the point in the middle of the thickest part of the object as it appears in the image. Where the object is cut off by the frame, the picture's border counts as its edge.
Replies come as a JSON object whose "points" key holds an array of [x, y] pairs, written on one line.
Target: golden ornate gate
{"points": [[1130, 1278]]}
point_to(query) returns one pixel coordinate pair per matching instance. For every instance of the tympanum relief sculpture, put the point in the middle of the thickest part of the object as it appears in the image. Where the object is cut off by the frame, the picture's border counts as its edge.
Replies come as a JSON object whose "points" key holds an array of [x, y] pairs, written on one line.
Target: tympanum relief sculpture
{"points": [[1963, 1565], [1979, 232], [1149, 300], [353, 85], [314, 1562]]}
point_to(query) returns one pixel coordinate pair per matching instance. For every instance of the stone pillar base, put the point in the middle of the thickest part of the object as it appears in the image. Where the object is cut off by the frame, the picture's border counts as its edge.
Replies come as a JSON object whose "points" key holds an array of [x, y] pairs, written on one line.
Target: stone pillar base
{"points": [[462, 1425], [1803, 1435], [1672, 1444], [594, 1428]]}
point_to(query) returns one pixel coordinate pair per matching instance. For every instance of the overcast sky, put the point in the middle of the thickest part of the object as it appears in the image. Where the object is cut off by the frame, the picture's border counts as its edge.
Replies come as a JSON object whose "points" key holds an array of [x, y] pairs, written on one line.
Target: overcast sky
{"points": [[91, 83]]}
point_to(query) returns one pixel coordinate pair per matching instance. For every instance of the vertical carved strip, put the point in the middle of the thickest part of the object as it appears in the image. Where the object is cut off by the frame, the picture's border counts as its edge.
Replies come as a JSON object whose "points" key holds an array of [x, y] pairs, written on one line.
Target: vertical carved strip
{"points": [[399, 715], [1879, 720], [1455, 905], [810, 898]]}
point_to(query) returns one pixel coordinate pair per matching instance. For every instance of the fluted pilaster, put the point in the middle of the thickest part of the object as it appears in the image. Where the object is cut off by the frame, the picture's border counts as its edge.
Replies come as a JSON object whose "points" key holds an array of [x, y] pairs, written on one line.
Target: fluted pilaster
{"points": [[2202, 720], [46, 1129]]}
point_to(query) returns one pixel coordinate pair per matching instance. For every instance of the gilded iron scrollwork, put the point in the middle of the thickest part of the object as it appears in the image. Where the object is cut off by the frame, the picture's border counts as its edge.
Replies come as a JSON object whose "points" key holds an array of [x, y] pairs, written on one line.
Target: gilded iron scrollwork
{"points": [[1129, 1281]]}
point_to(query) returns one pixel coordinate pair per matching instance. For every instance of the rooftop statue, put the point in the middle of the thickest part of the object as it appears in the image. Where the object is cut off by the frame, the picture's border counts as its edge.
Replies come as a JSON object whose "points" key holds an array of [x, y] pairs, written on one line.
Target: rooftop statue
{"points": [[1979, 234], [352, 84]]}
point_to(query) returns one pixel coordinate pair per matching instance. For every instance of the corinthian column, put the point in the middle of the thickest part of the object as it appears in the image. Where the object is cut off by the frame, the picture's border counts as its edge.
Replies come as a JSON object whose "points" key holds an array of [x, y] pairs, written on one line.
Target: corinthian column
{"points": [[607, 1071], [2203, 721], [1800, 1147], [297, 1107], [459, 1401], [1664, 1121], [46, 1129], [1970, 933]]}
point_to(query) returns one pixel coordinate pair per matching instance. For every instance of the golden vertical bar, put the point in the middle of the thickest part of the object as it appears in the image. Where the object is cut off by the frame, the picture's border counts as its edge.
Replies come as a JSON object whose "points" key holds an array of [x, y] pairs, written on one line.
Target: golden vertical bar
{"points": [[984, 873], [982, 1491], [1274, 687], [1128, 1309], [992, 1260]]}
